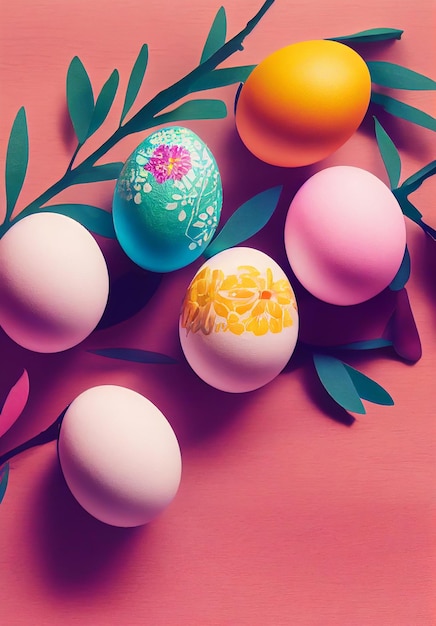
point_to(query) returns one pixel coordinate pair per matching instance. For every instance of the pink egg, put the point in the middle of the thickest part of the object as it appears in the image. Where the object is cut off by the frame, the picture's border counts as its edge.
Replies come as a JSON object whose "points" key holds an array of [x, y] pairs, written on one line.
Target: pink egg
{"points": [[54, 282], [345, 235], [119, 456]]}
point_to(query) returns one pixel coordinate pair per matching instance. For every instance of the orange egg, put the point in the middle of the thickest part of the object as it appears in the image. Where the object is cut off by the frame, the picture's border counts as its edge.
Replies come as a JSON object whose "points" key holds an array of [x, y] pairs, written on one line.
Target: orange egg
{"points": [[303, 102]]}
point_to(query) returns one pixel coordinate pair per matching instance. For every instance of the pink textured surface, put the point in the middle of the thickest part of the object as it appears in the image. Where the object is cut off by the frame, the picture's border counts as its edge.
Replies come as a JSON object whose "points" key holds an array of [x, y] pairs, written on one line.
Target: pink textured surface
{"points": [[285, 515]]}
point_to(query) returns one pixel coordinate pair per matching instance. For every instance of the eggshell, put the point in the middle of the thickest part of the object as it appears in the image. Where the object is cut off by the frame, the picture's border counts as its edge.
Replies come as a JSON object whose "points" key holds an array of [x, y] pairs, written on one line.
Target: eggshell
{"points": [[239, 323], [54, 282], [302, 102], [167, 200], [345, 235], [119, 456]]}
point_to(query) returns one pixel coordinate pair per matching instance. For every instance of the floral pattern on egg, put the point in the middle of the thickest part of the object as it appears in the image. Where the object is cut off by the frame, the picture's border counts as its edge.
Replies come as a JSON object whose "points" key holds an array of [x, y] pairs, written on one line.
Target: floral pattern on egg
{"points": [[238, 324], [246, 301], [167, 200]]}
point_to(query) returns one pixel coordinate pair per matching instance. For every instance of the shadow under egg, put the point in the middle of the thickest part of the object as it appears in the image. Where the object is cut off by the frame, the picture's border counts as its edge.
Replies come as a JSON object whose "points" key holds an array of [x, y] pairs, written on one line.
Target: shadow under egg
{"points": [[76, 552]]}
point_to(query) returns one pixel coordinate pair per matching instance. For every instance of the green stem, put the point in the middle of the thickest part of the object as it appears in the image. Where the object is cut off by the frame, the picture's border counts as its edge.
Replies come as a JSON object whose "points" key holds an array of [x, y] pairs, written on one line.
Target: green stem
{"points": [[101, 151], [145, 117], [73, 158], [35, 205], [178, 90], [49, 434]]}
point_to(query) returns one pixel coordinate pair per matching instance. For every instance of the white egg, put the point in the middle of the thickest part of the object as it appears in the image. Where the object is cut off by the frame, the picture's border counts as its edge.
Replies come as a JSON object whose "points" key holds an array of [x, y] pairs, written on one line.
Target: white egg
{"points": [[54, 282], [239, 322], [119, 456]]}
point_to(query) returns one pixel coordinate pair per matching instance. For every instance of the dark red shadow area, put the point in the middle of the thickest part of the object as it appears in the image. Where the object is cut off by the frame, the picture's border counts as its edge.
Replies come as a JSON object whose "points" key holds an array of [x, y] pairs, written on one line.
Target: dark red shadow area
{"points": [[76, 552]]}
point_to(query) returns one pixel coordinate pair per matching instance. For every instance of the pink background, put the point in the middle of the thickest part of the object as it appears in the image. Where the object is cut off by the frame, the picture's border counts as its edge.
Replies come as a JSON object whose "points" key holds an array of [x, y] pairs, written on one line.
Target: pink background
{"points": [[285, 515]]}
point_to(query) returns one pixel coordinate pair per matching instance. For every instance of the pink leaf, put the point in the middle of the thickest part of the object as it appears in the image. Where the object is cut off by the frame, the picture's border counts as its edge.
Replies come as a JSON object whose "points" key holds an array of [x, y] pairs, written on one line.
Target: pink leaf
{"points": [[15, 402]]}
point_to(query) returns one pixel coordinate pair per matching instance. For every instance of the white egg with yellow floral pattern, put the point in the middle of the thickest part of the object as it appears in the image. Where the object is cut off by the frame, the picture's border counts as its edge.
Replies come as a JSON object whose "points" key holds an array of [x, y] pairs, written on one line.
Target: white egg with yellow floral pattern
{"points": [[239, 321]]}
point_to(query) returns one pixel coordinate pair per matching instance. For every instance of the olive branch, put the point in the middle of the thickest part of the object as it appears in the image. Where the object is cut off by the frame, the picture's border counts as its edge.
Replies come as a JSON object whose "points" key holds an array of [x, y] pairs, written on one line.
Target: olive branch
{"points": [[88, 115]]}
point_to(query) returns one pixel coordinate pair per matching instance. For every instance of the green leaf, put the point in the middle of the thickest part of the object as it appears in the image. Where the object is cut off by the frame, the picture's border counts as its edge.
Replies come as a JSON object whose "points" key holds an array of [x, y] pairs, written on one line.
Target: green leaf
{"points": [[389, 154], [413, 182], [337, 382], [373, 34], [80, 99], [223, 77], [246, 221], [104, 102], [135, 80], [398, 77], [99, 173], [367, 388], [191, 110], [217, 35], [404, 111], [366, 344], [92, 218], [134, 355], [17, 158], [4, 478], [403, 273]]}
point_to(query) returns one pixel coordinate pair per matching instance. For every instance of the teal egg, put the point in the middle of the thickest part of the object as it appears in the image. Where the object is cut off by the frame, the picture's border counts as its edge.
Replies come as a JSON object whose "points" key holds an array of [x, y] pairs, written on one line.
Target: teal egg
{"points": [[167, 200]]}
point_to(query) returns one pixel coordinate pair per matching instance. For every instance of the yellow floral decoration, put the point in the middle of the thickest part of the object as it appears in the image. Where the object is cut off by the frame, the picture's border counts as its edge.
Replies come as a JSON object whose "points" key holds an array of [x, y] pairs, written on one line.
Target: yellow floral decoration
{"points": [[242, 302]]}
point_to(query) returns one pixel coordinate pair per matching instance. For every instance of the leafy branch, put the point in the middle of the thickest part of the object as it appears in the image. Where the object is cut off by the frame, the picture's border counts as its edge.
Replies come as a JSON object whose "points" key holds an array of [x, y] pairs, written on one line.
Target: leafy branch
{"points": [[393, 76], [392, 162], [88, 115]]}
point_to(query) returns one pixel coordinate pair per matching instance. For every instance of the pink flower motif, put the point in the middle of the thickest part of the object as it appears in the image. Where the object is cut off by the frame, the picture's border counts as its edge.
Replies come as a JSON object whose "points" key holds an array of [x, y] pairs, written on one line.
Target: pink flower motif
{"points": [[169, 162]]}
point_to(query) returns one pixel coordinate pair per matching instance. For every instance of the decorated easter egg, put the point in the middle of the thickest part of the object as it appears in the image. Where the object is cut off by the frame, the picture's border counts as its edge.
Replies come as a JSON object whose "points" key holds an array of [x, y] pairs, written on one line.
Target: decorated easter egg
{"points": [[167, 200], [239, 323], [119, 456], [303, 102], [54, 282], [345, 235]]}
